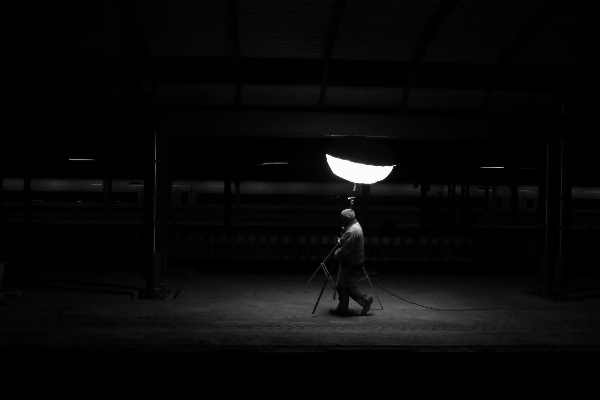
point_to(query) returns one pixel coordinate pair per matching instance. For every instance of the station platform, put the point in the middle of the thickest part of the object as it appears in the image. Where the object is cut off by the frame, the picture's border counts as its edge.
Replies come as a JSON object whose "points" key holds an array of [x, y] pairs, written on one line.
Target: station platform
{"points": [[94, 317]]}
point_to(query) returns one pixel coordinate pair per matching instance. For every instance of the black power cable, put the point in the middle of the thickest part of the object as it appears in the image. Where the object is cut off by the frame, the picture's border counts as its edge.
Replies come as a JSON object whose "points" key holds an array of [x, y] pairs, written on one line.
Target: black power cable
{"points": [[488, 309]]}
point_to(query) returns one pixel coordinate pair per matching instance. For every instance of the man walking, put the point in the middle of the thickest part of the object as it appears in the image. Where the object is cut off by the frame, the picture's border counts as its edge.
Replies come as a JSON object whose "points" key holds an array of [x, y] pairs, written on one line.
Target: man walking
{"points": [[351, 254]]}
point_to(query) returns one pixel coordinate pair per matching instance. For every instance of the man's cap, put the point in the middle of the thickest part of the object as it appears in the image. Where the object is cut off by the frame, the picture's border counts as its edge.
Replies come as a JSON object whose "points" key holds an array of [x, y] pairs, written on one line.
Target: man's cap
{"points": [[348, 214]]}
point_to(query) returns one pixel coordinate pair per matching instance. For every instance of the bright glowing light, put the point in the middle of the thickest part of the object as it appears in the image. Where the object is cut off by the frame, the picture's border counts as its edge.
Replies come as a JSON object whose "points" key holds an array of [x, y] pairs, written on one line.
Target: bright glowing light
{"points": [[358, 173], [491, 167], [81, 159]]}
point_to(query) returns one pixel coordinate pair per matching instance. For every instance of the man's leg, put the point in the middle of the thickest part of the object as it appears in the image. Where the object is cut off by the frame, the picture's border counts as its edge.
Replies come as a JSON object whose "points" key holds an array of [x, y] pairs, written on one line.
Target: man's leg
{"points": [[363, 299], [343, 296]]}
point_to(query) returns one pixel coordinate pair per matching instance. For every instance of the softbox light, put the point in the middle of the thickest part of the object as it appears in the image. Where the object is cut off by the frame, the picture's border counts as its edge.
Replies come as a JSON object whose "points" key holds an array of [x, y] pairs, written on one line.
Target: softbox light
{"points": [[360, 160]]}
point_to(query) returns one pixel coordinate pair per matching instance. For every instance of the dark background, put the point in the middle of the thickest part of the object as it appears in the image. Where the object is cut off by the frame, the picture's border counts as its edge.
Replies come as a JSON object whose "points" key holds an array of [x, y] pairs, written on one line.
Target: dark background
{"points": [[448, 86]]}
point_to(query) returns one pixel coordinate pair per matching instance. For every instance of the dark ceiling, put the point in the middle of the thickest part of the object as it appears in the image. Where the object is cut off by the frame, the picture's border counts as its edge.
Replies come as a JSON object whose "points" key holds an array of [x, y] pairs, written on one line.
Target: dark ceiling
{"points": [[232, 61], [391, 56]]}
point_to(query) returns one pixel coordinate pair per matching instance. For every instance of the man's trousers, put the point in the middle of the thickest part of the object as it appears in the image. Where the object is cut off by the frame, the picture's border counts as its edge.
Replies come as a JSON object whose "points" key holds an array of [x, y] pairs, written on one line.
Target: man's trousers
{"points": [[348, 275]]}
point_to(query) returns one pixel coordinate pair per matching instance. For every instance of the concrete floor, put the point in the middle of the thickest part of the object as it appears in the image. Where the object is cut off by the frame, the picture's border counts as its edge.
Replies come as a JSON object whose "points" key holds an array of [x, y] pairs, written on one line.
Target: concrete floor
{"points": [[100, 314], [103, 311]]}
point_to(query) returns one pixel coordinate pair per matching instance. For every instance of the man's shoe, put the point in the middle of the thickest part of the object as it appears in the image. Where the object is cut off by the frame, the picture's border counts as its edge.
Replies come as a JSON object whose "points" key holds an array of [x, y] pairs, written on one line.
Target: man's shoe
{"points": [[367, 306], [340, 312]]}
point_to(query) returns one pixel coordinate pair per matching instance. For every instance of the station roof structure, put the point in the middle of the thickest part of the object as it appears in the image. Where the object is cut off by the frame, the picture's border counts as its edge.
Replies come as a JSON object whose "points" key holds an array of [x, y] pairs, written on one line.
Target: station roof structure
{"points": [[437, 70]]}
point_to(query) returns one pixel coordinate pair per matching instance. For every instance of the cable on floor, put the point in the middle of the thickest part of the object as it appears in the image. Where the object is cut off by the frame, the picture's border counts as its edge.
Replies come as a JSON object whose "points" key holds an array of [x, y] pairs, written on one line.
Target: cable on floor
{"points": [[488, 309]]}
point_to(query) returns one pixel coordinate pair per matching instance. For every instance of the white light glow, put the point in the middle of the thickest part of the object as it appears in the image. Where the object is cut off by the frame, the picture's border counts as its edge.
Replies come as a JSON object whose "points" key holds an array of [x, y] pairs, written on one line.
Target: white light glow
{"points": [[274, 163], [81, 159], [491, 167], [358, 173], [386, 136]]}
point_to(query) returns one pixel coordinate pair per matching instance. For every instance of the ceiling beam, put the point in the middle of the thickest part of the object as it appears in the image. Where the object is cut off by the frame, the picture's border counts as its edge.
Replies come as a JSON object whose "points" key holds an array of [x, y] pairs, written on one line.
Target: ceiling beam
{"points": [[150, 77], [422, 45], [579, 78], [328, 50], [509, 53], [331, 125], [235, 49]]}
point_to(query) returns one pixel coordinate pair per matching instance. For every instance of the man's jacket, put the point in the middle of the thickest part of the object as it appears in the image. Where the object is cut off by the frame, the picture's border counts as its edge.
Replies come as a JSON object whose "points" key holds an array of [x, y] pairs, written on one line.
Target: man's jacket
{"points": [[351, 251]]}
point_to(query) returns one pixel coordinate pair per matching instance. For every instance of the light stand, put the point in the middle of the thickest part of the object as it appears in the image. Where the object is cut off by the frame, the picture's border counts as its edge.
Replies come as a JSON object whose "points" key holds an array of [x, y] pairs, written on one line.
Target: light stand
{"points": [[327, 277], [322, 265], [328, 274], [352, 198], [356, 159]]}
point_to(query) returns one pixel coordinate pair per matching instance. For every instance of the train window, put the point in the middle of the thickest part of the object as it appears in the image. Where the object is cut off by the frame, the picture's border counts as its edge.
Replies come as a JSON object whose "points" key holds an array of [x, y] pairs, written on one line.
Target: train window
{"points": [[392, 201], [184, 198], [12, 196], [68, 197], [124, 197], [287, 199], [585, 204], [210, 198], [60, 197], [476, 202], [530, 203]]}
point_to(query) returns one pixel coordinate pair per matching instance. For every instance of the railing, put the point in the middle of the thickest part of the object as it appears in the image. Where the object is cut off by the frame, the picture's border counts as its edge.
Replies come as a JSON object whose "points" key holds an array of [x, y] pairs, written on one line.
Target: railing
{"points": [[126, 241]]}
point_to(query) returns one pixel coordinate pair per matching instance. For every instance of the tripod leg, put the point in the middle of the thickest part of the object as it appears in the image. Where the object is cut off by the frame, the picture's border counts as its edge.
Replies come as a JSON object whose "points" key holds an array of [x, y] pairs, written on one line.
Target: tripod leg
{"points": [[328, 276], [313, 275], [323, 262], [337, 279], [374, 291], [320, 294]]}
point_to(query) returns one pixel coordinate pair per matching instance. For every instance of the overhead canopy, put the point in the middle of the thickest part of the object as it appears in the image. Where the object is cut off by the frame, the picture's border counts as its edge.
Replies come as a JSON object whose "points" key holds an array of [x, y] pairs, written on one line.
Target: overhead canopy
{"points": [[509, 57], [361, 150], [82, 75]]}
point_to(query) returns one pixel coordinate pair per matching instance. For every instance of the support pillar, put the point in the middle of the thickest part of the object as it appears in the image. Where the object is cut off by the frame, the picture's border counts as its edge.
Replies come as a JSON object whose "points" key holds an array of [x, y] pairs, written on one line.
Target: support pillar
{"points": [[488, 207], [566, 191], [553, 280], [366, 197], [494, 203], [106, 191], [163, 201], [3, 218], [424, 203], [152, 259], [467, 208], [451, 205], [514, 199], [227, 201], [26, 231], [543, 267], [559, 283], [236, 211], [464, 209], [27, 196]]}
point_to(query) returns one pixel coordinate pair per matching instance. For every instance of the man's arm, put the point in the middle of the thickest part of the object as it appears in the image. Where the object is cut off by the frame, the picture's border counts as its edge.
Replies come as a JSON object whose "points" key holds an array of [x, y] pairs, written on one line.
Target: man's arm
{"points": [[345, 245]]}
